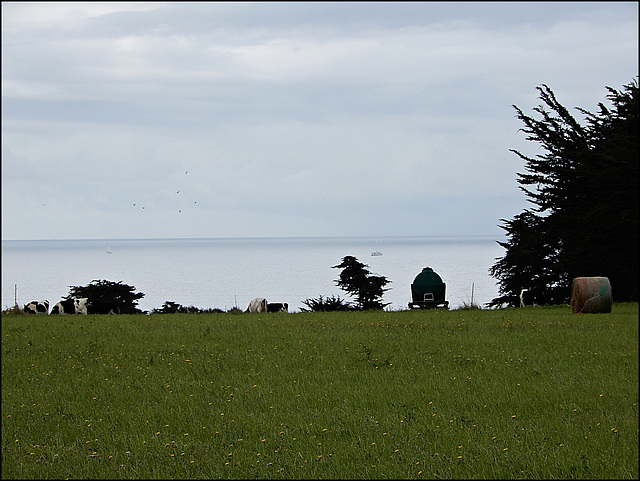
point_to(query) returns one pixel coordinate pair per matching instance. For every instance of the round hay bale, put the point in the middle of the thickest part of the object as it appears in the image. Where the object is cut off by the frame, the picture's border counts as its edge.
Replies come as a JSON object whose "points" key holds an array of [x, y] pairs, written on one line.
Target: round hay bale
{"points": [[590, 295]]}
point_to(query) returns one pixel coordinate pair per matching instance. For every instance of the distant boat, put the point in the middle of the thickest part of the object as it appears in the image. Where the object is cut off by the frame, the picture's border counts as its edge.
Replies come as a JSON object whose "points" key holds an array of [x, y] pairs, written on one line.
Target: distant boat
{"points": [[376, 253], [109, 250]]}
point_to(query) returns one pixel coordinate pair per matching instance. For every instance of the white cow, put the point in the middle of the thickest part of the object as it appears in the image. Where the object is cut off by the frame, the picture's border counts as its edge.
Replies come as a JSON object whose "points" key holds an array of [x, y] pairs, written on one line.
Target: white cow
{"points": [[71, 306], [36, 307], [258, 304]]}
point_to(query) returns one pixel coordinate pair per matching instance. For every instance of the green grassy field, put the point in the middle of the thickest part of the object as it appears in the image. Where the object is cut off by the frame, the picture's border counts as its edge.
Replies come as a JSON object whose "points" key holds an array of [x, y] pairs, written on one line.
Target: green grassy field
{"points": [[513, 393]]}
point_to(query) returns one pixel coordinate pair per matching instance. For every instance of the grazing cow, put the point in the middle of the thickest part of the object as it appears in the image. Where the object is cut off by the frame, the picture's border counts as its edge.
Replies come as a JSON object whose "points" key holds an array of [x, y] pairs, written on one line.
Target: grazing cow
{"points": [[71, 306], [527, 298], [277, 307], [37, 307], [81, 306], [257, 305]]}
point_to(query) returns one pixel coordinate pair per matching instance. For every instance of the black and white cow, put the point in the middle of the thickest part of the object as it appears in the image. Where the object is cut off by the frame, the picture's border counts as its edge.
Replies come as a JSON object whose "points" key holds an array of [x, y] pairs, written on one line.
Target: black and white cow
{"points": [[37, 307], [258, 304], [277, 307], [71, 306], [527, 298]]}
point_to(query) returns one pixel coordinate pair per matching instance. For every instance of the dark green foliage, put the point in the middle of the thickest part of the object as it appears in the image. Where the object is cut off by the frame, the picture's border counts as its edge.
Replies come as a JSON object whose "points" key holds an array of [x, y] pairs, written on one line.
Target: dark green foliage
{"points": [[170, 307], [326, 304], [13, 310], [107, 296], [584, 188], [357, 280]]}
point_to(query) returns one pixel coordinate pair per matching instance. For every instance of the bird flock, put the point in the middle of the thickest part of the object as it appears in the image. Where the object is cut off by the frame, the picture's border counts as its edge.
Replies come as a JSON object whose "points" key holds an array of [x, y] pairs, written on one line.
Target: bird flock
{"points": [[179, 192], [179, 210]]}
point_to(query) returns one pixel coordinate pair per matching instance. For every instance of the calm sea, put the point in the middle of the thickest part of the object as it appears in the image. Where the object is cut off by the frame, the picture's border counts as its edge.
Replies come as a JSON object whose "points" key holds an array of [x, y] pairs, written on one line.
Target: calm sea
{"points": [[224, 273]]}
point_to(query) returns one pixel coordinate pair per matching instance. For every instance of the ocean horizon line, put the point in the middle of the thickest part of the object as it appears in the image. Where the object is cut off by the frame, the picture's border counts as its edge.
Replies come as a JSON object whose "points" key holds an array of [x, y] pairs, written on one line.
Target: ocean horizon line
{"points": [[222, 272], [248, 238]]}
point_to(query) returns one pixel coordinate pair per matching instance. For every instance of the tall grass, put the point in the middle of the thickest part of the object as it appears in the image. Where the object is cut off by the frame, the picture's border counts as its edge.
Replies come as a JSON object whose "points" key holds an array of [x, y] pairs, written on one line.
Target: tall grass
{"points": [[513, 393]]}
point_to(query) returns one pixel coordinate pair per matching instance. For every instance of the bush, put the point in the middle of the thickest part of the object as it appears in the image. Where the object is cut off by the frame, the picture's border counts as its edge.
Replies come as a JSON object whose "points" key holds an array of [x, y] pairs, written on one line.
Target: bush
{"points": [[15, 310], [326, 304], [170, 307]]}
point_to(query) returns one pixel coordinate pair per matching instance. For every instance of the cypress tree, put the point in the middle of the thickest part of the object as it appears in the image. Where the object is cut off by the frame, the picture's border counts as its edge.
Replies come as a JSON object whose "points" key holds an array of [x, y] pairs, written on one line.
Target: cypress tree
{"points": [[584, 188], [357, 280]]}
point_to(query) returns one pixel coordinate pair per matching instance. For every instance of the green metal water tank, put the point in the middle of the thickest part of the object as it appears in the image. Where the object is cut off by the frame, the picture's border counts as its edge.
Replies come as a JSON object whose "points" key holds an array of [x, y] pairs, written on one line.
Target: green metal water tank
{"points": [[428, 290]]}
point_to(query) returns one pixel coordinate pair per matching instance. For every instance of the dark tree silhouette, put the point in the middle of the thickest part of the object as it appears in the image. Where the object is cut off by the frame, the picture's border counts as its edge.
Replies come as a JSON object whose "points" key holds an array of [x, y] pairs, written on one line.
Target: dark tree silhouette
{"points": [[357, 280], [584, 189], [170, 307], [107, 296]]}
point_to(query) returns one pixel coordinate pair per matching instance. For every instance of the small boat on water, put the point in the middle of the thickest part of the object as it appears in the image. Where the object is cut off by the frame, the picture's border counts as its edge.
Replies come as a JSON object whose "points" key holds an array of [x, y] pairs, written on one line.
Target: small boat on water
{"points": [[109, 251], [376, 253]]}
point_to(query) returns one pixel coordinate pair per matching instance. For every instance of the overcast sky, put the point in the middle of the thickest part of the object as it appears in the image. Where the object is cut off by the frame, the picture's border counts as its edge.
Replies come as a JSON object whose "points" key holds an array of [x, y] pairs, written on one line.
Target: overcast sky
{"points": [[170, 120]]}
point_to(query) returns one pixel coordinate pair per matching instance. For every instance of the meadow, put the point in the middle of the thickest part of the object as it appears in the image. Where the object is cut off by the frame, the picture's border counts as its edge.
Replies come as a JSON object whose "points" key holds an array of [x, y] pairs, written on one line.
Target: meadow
{"points": [[535, 392]]}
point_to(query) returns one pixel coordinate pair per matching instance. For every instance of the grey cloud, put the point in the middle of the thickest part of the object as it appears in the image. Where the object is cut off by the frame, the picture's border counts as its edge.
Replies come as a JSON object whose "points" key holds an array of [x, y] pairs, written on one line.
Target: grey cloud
{"points": [[329, 118]]}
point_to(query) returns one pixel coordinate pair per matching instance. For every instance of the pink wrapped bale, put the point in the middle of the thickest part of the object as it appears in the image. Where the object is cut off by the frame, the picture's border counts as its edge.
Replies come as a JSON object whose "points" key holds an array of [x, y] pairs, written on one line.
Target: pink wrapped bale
{"points": [[590, 295]]}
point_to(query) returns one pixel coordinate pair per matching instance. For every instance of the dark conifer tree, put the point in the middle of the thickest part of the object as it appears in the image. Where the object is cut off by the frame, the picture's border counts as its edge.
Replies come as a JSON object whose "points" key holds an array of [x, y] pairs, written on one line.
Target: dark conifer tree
{"points": [[356, 280], [584, 187]]}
